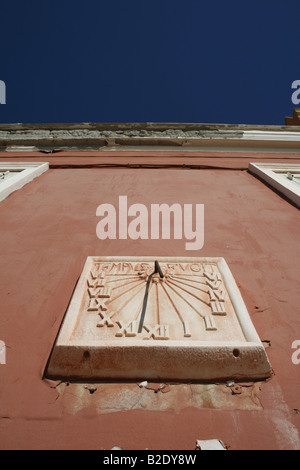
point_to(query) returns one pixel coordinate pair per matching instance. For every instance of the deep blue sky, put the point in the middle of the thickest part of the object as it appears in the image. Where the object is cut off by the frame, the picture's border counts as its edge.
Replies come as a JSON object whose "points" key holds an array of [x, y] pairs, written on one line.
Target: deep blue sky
{"points": [[149, 60]]}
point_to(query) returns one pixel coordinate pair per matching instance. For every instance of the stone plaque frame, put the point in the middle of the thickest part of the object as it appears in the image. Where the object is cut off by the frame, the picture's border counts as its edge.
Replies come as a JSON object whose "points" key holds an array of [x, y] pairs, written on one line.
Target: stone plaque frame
{"points": [[275, 174], [204, 332], [24, 172]]}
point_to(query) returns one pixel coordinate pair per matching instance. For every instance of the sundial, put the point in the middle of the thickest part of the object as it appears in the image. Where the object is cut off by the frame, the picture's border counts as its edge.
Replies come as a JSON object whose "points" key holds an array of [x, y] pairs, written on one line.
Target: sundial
{"points": [[157, 318]]}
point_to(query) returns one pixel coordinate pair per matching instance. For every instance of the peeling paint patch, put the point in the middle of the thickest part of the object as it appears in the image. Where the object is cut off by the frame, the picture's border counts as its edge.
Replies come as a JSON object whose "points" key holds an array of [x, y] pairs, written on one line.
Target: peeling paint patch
{"points": [[286, 433], [114, 397]]}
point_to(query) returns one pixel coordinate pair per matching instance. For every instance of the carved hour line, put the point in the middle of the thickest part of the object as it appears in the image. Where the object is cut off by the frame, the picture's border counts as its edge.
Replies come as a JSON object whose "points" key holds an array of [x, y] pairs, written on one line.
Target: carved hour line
{"points": [[172, 303], [122, 280], [187, 274], [181, 296], [157, 304], [180, 277], [127, 301], [125, 284], [186, 326], [188, 292], [157, 270], [194, 287], [125, 292], [143, 311], [139, 309], [107, 317], [121, 274]]}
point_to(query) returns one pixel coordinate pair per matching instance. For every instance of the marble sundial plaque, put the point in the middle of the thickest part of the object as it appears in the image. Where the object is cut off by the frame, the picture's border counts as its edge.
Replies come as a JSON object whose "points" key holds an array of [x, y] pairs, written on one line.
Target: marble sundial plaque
{"points": [[157, 319]]}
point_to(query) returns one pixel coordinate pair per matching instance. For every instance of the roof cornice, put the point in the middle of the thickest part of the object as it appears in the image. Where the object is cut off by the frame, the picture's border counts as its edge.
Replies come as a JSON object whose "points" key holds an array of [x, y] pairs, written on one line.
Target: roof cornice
{"points": [[83, 136]]}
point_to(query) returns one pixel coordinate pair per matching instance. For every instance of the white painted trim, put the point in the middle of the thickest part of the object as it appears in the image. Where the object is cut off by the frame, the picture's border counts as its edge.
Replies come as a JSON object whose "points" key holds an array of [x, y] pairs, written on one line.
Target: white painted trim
{"points": [[271, 173], [210, 444], [272, 135], [25, 172]]}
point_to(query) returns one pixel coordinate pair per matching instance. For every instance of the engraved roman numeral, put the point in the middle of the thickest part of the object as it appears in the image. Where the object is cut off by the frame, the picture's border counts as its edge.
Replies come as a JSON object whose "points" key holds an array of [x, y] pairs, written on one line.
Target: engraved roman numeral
{"points": [[216, 295], [100, 292], [213, 279], [214, 276], [209, 323], [186, 328], [96, 282], [105, 320], [95, 274], [214, 284], [218, 308], [127, 330], [157, 332], [96, 304]]}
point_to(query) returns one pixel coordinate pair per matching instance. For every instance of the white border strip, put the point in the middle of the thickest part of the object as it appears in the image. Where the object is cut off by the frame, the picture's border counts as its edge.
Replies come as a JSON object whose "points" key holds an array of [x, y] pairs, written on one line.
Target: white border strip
{"points": [[269, 173], [25, 172], [272, 136]]}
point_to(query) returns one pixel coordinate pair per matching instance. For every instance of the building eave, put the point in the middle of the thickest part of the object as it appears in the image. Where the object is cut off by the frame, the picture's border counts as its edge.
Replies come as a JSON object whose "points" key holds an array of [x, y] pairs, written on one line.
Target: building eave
{"points": [[103, 136]]}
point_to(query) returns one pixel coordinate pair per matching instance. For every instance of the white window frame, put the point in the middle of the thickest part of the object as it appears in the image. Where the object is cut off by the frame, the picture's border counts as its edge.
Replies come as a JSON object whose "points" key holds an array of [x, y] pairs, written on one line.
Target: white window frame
{"points": [[25, 172], [275, 175]]}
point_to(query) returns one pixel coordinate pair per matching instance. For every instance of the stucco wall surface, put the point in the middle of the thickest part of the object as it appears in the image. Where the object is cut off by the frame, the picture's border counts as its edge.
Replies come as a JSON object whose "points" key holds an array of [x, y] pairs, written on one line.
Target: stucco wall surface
{"points": [[47, 230]]}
